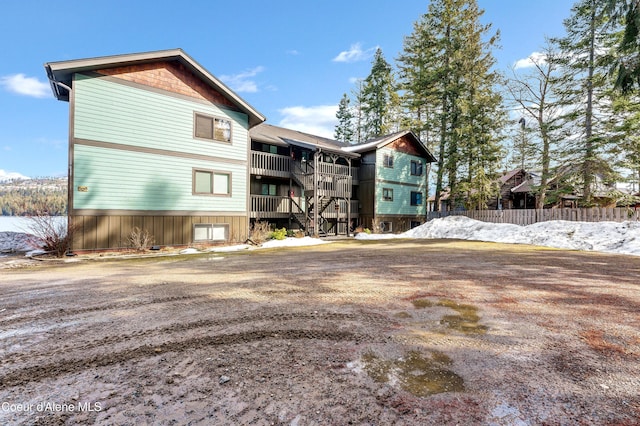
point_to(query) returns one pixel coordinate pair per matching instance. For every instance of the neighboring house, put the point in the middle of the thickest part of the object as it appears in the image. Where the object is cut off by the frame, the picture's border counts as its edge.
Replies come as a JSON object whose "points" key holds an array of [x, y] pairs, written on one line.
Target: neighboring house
{"points": [[302, 181], [566, 189], [392, 175], [516, 191], [155, 142]]}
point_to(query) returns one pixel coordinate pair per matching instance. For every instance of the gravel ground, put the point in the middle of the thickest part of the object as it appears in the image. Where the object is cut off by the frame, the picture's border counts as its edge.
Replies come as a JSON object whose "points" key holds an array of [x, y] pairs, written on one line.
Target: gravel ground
{"points": [[354, 332]]}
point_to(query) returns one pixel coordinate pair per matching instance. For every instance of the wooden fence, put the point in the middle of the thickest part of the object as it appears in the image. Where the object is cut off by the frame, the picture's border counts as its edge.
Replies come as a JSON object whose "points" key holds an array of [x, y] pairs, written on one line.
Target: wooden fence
{"points": [[530, 216]]}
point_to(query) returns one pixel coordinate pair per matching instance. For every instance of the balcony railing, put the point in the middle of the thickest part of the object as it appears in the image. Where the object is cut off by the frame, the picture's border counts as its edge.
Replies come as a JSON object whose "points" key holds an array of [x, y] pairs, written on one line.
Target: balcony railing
{"points": [[269, 206], [264, 163], [267, 164]]}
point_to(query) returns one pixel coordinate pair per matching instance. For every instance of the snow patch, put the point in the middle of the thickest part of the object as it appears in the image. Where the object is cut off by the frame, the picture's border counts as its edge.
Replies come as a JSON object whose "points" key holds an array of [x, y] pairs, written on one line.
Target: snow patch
{"points": [[608, 237]]}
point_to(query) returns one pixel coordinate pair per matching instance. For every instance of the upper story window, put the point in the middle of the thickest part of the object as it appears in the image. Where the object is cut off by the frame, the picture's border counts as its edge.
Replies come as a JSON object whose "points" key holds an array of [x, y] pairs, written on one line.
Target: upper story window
{"points": [[212, 128], [416, 168], [388, 160], [208, 182], [387, 194], [416, 198]]}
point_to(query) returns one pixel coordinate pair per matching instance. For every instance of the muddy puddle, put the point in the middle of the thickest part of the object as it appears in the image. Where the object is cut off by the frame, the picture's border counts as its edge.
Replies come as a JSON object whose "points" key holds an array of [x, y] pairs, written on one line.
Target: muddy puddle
{"points": [[421, 374]]}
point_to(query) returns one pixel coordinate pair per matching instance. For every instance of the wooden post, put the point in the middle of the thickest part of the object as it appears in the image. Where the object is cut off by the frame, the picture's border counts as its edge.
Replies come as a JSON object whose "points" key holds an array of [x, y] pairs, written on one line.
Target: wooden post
{"points": [[349, 199], [315, 192]]}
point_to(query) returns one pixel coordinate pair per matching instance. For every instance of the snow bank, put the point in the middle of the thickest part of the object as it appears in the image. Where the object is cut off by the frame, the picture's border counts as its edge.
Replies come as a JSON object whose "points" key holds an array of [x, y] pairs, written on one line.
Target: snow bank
{"points": [[608, 237]]}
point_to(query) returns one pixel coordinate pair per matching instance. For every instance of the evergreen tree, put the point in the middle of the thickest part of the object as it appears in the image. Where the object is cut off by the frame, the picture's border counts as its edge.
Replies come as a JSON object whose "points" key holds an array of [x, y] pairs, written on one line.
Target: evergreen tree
{"points": [[344, 129], [449, 88], [627, 66], [587, 53], [378, 96], [358, 119]]}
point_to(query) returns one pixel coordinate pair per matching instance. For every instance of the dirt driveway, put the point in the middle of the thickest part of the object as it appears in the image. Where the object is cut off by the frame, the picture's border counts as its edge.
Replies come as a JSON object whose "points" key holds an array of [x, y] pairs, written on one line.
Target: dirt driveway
{"points": [[380, 332]]}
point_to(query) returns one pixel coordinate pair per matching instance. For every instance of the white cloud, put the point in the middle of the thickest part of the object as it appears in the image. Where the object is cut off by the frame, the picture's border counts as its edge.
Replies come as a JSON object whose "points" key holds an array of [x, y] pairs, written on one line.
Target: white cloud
{"points": [[317, 120], [4, 176], [243, 82], [27, 86], [355, 54], [535, 58]]}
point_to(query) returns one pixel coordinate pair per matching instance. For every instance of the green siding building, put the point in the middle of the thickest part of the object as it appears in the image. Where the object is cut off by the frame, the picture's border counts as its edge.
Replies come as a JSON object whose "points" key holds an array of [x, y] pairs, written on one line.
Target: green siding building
{"points": [[157, 143]]}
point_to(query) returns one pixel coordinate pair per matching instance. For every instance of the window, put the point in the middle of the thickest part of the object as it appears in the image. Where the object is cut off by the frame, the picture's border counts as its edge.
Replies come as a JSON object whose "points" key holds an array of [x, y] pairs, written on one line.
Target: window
{"points": [[268, 189], [416, 168], [212, 128], [388, 160], [386, 226], [210, 232], [387, 194], [211, 183], [416, 198], [271, 149]]}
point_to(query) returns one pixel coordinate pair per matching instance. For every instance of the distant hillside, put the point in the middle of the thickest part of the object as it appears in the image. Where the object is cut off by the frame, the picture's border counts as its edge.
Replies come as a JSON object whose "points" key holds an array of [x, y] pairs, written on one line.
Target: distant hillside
{"points": [[24, 197]]}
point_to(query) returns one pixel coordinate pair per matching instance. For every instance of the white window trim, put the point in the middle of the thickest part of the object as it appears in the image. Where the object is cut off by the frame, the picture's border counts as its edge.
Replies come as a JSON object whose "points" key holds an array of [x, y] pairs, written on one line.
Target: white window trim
{"points": [[211, 234]]}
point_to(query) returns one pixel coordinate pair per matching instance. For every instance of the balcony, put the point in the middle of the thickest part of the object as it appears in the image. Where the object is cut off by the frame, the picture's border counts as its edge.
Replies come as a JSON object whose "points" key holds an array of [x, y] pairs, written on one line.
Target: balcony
{"points": [[271, 207], [266, 164]]}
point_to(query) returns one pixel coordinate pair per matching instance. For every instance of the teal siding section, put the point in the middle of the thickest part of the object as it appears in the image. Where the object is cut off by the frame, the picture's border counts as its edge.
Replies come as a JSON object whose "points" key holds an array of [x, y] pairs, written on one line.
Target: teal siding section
{"points": [[400, 179], [126, 180], [107, 111]]}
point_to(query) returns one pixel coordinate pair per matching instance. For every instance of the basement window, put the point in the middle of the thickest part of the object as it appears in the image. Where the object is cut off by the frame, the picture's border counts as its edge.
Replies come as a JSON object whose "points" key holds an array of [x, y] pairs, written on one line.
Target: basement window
{"points": [[210, 232]]}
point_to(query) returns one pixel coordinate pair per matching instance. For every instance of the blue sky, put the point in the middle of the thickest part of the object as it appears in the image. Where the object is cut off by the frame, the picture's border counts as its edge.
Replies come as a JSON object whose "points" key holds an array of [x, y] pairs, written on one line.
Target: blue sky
{"points": [[291, 59]]}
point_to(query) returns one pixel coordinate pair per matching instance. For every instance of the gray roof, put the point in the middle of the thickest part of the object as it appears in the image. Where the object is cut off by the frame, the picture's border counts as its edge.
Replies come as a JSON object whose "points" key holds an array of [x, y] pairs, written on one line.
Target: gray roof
{"points": [[61, 73], [281, 136], [380, 142]]}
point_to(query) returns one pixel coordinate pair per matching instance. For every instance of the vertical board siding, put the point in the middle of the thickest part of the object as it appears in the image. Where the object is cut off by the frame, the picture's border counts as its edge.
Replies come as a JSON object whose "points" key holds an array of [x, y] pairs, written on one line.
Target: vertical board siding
{"points": [[531, 216], [112, 232]]}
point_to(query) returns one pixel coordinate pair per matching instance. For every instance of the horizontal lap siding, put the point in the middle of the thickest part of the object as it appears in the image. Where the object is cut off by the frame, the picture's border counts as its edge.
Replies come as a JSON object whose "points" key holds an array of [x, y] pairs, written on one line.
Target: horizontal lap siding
{"points": [[388, 177], [145, 177], [110, 112], [123, 180]]}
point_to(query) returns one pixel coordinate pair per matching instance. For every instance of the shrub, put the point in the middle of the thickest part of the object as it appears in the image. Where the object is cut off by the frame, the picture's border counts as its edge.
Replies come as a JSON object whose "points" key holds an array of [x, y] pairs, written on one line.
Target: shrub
{"points": [[140, 239], [260, 232], [279, 234], [56, 235]]}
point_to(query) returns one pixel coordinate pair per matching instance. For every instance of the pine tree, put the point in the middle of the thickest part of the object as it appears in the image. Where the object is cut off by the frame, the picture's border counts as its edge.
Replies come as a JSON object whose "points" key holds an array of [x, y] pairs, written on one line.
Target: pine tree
{"points": [[344, 129], [587, 53], [377, 95], [446, 74], [627, 65]]}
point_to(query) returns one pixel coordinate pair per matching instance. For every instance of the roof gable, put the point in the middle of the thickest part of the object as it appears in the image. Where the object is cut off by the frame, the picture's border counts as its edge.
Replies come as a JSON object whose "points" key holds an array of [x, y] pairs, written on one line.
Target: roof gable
{"points": [[60, 75], [404, 141]]}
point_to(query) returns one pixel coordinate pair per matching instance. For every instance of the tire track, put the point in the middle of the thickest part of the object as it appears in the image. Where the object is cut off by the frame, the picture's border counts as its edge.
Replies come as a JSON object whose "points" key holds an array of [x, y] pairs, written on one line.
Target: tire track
{"points": [[74, 365]]}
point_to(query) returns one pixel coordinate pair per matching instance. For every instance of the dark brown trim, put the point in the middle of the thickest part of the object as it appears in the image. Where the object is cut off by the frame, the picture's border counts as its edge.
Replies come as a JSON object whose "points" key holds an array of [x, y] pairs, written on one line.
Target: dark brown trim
{"points": [[213, 172], [155, 151], [393, 182], [113, 212], [213, 128]]}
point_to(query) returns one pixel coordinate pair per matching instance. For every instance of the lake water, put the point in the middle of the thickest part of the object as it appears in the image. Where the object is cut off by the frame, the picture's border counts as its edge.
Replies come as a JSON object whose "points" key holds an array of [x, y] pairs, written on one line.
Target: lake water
{"points": [[21, 224]]}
